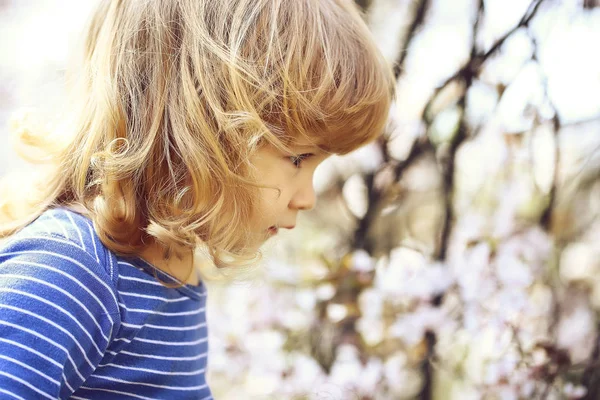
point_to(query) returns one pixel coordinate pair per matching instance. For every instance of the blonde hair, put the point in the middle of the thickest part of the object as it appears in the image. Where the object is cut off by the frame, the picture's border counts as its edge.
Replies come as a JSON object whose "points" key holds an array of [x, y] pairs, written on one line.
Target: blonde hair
{"points": [[174, 96]]}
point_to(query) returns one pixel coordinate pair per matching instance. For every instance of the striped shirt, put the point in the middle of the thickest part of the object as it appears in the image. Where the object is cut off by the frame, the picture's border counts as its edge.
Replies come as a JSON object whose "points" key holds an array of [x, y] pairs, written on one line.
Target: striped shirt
{"points": [[79, 322]]}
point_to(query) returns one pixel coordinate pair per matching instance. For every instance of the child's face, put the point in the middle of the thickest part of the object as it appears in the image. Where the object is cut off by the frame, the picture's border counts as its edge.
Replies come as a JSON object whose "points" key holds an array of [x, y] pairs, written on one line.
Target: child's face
{"points": [[293, 175]]}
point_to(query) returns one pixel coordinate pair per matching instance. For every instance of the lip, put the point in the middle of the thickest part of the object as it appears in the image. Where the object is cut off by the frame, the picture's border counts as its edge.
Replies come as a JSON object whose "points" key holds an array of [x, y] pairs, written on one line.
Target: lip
{"points": [[274, 229]]}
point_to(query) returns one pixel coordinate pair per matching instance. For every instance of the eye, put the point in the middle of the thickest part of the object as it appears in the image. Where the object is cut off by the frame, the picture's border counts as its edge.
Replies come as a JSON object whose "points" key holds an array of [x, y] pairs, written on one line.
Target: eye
{"points": [[297, 160]]}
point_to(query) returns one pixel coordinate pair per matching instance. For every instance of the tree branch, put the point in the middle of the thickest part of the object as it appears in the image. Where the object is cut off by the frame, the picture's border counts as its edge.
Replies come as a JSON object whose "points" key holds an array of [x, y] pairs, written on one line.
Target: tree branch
{"points": [[375, 195], [591, 375], [417, 22], [546, 218], [473, 66], [364, 5]]}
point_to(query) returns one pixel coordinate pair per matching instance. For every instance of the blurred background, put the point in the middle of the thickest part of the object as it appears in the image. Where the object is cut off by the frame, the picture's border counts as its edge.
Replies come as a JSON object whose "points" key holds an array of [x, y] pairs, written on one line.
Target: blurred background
{"points": [[456, 258]]}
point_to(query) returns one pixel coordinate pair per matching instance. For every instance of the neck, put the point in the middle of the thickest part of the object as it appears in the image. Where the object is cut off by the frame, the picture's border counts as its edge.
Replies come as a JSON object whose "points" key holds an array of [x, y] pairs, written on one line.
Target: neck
{"points": [[179, 263]]}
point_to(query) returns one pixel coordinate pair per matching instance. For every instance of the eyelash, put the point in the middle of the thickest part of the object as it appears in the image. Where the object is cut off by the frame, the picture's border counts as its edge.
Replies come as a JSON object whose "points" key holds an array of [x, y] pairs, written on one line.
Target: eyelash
{"points": [[297, 160]]}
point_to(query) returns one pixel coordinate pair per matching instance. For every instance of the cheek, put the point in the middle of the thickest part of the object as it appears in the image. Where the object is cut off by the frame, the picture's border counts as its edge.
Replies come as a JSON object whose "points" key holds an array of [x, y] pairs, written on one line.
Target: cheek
{"points": [[268, 198], [265, 211], [273, 201], [278, 182], [273, 171]]}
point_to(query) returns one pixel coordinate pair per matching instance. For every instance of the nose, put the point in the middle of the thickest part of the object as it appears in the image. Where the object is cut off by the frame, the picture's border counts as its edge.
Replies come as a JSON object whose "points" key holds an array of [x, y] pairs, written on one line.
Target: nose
{"points": [[304, 199]]}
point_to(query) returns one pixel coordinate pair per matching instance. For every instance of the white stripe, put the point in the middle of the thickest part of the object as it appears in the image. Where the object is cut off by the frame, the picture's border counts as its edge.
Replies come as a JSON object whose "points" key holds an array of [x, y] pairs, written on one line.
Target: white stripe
{"points": [[185, 389], [119, 392], [67, 383], [31, 369], [131, 265], [168, 328], [92, 237], [62, 310], [112, 268], [22, 382], [76, 229], [145, 296], [69, 295], [192, 358], [209, 397], [34, 333], [96, 277], [192, 343], [154, 371], [130, 278], [54, 324], [11, 394], [166, 314], [78, 398], [37, 353], [60, 225], [43, 224]]}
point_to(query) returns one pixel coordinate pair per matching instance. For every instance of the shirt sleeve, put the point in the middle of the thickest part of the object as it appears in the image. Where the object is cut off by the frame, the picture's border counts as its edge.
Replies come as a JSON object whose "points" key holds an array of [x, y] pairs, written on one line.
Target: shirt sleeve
{"points": [[58, 311]]}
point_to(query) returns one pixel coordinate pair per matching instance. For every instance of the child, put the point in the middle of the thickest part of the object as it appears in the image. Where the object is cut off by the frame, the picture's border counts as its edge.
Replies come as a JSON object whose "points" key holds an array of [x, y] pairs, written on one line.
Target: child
{"points": [[199, 123]]}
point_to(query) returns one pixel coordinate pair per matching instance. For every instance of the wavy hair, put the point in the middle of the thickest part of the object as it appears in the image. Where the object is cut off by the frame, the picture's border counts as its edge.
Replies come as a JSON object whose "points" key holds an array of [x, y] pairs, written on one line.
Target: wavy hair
{"points": [[172, 97]]}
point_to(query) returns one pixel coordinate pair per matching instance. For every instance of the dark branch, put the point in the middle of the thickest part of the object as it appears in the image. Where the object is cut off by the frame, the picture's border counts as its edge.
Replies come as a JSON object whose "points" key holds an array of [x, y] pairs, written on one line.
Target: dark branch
{"points": [[591, 375], [417, 22], [419, 147], [364, 5], [448, 166], [477, 59], [523, 23], [546, 218], [427, 367], [375, 195]]}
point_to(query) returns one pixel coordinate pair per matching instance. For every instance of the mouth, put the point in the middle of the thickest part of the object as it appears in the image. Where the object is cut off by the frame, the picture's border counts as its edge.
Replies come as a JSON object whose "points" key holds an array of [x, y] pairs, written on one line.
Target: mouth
{"points": [[274, 229]]}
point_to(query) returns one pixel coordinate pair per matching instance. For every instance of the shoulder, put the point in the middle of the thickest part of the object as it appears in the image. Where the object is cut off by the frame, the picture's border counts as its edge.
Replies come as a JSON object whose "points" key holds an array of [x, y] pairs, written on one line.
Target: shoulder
{"points": [[61, 245], [63, 228], [67, 225]]}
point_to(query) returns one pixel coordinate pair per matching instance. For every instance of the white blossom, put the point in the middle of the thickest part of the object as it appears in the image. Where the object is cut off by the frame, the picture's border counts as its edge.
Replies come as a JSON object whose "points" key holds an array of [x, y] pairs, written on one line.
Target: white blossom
{"points": [[574, 392], [412, 327], [347, 368], [372, 330], [403, 381], [362, 261], [325, 291], [336, 312]]}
